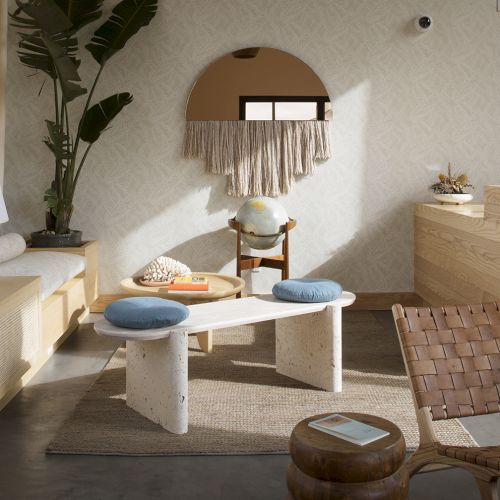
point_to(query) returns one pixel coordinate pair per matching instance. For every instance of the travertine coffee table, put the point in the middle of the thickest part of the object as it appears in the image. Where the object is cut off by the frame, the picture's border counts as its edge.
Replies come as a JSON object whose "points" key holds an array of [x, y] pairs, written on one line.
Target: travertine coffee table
{"points": [[221, 286], [308, 349]]}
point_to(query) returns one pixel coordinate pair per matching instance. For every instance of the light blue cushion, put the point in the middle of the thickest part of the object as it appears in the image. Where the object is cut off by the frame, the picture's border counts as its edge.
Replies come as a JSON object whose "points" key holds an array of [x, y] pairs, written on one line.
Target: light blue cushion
{"points": [[145, 312], [307, 290]]}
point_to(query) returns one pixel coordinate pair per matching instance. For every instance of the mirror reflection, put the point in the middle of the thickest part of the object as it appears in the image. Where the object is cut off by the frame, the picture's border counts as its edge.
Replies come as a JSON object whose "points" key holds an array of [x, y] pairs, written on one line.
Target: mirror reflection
{"points": [[258, 84], [260, 117]]}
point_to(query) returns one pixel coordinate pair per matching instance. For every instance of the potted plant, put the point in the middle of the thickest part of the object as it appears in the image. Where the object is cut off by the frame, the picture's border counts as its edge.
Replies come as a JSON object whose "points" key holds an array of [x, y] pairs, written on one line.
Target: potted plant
{"points": [[451, 188], [48, 44]]}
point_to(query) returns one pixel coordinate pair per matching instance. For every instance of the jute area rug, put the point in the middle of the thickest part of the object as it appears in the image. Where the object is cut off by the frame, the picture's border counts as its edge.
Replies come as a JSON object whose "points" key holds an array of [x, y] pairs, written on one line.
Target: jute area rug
{"points": [[238, 404]]}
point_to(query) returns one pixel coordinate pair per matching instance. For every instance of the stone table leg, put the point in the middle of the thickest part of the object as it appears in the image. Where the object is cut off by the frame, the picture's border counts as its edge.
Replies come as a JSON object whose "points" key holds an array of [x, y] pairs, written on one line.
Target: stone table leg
{"points": [[205, 341], [309, 348], [157, 380]]}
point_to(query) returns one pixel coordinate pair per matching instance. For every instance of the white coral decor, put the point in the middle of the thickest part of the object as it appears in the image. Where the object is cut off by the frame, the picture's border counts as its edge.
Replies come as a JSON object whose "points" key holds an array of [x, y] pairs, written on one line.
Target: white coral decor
{"points": [[164, 269]]}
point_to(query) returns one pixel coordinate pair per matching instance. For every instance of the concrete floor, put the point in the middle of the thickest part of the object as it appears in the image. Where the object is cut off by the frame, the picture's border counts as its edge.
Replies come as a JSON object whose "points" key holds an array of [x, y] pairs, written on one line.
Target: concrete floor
{"points": [[30, 421]]}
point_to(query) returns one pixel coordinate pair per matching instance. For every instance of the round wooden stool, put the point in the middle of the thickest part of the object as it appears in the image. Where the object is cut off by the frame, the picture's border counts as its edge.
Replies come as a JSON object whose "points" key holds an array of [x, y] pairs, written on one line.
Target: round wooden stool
{"points": [[325, 467]]}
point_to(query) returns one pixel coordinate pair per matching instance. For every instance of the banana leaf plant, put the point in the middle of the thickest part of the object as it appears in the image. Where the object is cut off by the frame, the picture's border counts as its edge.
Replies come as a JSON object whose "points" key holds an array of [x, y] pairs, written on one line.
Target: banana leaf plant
{"points": [[48, 44]]}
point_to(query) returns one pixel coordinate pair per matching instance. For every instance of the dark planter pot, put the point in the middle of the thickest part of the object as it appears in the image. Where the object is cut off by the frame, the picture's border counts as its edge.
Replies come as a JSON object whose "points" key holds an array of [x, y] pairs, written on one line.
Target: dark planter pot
{"points": [[42, 239]]}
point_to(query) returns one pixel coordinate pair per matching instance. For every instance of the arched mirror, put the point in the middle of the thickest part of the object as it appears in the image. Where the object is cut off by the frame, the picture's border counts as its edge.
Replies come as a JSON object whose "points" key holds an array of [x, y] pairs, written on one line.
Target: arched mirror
{"points": [[260, 117]]}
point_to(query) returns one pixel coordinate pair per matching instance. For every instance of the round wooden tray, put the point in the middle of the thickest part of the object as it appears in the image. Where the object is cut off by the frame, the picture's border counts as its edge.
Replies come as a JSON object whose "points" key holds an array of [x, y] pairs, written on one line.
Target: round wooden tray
{"points": [[220, 287]]}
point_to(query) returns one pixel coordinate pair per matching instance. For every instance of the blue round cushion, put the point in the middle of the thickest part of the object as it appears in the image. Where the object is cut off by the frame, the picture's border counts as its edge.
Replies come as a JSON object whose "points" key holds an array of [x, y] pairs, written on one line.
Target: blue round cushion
{"points": [[145, 312], [307, 290]]}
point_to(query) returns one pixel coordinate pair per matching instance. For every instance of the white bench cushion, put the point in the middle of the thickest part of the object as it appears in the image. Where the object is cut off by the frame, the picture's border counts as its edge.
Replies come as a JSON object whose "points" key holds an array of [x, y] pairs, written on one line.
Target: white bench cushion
{"points": [[11, 246], [54, 268]]}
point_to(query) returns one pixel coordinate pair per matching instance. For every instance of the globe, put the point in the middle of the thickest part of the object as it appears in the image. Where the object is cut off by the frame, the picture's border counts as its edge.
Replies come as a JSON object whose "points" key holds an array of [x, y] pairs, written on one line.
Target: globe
{"points": [[262, 220]]}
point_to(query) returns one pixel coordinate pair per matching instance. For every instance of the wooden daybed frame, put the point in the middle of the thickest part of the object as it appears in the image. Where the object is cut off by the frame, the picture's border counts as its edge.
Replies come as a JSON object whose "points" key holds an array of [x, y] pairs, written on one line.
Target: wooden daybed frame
{"points": [[31, 330]]}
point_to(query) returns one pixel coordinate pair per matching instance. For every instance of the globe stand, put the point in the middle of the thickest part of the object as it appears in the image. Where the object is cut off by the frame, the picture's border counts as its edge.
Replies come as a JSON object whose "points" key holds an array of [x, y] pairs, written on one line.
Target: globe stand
{"points": [[245, 262]]}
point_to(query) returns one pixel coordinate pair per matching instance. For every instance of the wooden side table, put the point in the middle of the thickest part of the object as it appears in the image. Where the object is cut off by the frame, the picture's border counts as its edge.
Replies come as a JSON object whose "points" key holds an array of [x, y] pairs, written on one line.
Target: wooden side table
{"points": [[221, 287], [328, 468], [281, 261]]}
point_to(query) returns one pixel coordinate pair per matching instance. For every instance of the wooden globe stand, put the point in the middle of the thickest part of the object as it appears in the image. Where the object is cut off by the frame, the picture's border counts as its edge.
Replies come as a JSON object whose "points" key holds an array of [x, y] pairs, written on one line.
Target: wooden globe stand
{"points": [[281, 261]]}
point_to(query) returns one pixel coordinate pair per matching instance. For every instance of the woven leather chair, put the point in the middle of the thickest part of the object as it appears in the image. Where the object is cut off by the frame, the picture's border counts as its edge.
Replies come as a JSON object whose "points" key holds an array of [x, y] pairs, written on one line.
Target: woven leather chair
{"points": [[452, 358]]}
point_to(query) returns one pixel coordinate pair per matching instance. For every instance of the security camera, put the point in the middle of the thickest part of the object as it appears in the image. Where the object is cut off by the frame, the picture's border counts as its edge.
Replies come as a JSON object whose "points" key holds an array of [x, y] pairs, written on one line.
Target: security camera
{"points": [[423, 23]]}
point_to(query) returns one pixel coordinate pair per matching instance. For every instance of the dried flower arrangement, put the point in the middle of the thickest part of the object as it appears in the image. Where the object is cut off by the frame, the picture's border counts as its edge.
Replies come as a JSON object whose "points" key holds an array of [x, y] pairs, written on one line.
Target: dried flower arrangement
{"points": [[451, 184]]}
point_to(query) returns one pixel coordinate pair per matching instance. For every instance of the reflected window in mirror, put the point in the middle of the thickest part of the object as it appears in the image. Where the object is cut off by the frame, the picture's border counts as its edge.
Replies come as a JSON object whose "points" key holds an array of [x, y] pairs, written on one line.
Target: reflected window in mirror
{"points": [[296, 111], [285, 108], [259, 111]]}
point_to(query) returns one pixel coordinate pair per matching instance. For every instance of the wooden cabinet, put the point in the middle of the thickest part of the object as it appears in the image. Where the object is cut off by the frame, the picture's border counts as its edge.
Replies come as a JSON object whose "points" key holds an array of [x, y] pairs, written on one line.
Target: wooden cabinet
{"points": [[457, 252]]}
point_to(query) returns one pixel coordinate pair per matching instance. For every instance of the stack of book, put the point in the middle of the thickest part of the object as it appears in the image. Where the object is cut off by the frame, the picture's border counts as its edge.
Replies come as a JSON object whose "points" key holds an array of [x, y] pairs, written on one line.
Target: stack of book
{"points": [[188, 284]]}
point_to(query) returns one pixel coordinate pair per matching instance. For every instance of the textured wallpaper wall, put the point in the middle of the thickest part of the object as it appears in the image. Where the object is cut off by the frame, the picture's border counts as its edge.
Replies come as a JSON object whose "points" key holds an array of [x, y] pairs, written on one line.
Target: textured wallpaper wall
{"points": [[404, 105]]}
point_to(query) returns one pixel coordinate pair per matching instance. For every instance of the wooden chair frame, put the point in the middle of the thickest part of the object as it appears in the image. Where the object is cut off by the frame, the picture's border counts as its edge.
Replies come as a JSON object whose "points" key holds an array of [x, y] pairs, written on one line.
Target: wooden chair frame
{"points": [[430, 450]]}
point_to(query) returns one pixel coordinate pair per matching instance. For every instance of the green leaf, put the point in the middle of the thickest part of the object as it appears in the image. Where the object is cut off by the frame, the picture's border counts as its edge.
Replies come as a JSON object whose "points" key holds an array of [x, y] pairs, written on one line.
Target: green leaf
{"points": [[80, 12], [57, 141], [99, 116], [33, 52], [35, 18], [126, 19], [45, 15], [50, 197], [66, 69]]}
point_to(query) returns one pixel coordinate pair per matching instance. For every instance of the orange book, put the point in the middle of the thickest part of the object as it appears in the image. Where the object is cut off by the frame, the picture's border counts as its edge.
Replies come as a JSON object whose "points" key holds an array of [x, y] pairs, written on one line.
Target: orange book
{"points": [[189, 284], [187, 287]]}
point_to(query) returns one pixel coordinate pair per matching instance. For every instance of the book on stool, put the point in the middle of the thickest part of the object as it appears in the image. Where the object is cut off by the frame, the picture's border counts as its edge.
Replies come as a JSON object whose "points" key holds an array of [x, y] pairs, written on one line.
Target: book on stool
{"points": [[348, 429]]}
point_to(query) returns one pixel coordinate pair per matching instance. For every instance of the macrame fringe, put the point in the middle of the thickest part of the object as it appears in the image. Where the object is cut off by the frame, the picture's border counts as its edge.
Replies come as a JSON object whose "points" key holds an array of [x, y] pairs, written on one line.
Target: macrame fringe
{"points": [[258, 157]]}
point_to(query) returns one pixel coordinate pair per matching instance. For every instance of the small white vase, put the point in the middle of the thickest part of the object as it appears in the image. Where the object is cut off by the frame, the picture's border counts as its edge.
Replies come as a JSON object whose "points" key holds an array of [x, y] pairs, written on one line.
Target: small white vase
{"points": [[454, 198]]}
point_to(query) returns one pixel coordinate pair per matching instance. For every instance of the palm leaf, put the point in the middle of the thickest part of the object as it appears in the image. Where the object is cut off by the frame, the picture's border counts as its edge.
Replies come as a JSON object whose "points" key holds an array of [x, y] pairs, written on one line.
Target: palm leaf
{"points": [[66, 70], [46, 16], [33, 52], [37, 18], [80, 12], [127, 18], [99, 116], [57, 141], [50, 197]]}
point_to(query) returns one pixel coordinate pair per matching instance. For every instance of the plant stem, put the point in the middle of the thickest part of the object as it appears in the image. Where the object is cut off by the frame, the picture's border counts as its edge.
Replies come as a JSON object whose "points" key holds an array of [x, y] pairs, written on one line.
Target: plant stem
{"points": [[58, 175], [77, 138], [56, 96], [63, 109], [70, 142], [80, 167], [61, 129], [87, 104], [68, 175]]}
